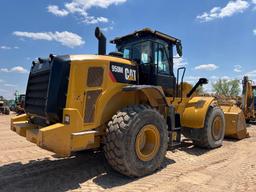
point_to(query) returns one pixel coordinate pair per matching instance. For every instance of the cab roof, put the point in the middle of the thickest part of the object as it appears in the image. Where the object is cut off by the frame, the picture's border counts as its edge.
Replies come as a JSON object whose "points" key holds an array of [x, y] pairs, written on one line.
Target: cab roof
{"points": [[146, 32]]}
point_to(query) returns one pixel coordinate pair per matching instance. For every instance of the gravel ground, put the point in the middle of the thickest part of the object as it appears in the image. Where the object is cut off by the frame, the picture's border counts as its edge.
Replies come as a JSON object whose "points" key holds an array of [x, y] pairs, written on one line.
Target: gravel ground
{"points": [[26, 167]]}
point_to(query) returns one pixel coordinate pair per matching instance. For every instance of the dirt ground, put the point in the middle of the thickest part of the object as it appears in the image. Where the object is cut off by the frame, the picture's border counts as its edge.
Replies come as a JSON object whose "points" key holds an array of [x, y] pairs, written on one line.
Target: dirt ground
{"points": [[25, 167]]}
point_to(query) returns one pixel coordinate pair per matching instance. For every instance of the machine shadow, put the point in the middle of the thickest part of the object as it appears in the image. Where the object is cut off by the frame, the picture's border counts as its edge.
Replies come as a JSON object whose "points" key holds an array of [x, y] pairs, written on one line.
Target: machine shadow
{"points": [[251, 123], [188, 147], [114, 179], [63, 174]]}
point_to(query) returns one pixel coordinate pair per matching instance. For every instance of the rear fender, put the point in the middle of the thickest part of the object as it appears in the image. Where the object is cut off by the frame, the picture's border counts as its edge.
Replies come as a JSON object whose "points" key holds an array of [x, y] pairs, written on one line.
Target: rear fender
{"points": [[119, 97], [154, 94]]}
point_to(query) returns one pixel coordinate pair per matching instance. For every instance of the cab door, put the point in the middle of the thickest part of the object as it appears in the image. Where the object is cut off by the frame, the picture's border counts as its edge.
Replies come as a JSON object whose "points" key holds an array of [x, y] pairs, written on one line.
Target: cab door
{"points": [[142, 54], [164, 73]]}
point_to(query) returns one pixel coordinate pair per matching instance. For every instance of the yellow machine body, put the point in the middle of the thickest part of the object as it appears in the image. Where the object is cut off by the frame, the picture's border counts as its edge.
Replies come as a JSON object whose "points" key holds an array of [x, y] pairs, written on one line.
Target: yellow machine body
{"points": [[193, 110], [63, 138], [235, 121], [74, 133]]}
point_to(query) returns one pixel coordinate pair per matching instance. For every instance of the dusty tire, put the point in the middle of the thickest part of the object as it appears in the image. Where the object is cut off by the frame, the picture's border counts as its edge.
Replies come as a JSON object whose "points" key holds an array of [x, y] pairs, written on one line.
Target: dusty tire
{"points": [[212, 135], [121, 139], [7, 111]]}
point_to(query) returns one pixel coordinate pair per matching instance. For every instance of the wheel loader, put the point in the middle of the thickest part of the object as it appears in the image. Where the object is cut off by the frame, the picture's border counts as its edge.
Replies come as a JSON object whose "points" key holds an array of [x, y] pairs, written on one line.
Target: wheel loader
{"points": [[128, 103]]}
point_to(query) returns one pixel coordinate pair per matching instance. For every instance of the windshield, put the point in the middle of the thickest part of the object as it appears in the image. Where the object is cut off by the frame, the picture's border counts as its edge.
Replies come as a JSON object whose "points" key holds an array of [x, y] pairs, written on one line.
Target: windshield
{"points": [[126, 52]]}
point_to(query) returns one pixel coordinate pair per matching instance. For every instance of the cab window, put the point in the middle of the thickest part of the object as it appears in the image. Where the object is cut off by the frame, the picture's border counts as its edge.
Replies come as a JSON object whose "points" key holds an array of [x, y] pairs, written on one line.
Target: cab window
{"points": [[127, 53], [161, 59], [142, 52]]}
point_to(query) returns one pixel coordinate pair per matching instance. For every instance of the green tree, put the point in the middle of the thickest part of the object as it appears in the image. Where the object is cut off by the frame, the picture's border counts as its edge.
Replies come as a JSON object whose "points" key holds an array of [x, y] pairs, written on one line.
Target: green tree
{"points": [[227, 87]]}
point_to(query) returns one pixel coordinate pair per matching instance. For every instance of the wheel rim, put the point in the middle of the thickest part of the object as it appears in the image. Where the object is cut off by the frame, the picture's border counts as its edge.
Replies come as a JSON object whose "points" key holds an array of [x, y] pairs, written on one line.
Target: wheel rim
{"points": [[147, 143], [217, 128]]}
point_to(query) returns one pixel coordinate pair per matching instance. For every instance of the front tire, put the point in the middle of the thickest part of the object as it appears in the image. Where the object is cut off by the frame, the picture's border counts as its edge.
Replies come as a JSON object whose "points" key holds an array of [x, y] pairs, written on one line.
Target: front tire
{"points": [[212, 135], [136, 141]]}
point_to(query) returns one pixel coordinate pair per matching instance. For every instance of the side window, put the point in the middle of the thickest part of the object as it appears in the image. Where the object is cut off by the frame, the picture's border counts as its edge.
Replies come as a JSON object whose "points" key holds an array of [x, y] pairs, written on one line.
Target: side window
{"points": [[127, 53], [142, 53], [146, 53], [161, 59]]}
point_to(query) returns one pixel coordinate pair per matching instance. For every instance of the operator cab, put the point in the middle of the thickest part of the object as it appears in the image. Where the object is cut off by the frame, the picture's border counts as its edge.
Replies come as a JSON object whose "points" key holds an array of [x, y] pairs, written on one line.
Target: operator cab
{"points": [[153, 51]]}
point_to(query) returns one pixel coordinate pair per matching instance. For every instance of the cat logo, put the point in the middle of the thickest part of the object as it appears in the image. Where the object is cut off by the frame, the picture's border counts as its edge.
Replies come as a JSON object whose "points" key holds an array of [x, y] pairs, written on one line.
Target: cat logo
{"points": [[123, 73], [130, 74]]}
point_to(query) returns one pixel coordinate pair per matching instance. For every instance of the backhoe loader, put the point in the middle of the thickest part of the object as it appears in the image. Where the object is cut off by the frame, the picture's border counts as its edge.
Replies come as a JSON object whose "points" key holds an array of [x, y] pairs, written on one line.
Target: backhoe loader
{"points": [[128, 103], [248, 99]]}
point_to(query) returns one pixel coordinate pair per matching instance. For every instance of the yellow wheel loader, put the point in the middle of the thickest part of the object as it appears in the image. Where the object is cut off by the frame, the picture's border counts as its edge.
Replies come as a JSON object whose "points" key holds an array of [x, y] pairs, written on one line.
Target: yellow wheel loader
{"points": [[128, 102]]}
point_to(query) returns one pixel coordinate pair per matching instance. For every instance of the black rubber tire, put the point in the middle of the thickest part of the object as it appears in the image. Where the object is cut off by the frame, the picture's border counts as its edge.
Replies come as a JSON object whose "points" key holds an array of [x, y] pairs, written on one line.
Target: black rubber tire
{"points": [[119, 142], [206, 139], [7, 111], [247, 121]]}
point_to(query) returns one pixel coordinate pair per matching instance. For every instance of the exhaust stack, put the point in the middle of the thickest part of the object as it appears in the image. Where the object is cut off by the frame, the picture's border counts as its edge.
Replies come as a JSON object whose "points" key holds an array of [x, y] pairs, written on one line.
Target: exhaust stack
{"points": [[102, 41]]}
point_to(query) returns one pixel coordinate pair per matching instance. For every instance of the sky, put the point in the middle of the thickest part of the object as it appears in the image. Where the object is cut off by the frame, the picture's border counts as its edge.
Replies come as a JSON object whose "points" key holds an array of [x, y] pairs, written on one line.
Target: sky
{"points": [[218, 37]]}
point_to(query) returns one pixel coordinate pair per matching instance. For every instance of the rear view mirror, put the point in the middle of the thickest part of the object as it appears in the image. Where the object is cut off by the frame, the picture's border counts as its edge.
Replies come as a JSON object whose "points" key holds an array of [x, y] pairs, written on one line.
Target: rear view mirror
{"points": [[179, 48], [203, 81]]}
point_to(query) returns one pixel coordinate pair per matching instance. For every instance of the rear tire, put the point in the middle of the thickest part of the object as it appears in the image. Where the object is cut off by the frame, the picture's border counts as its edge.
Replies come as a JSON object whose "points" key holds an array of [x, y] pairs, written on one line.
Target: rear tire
{"points": [[6, 111], [124, 149], [212, 135]]}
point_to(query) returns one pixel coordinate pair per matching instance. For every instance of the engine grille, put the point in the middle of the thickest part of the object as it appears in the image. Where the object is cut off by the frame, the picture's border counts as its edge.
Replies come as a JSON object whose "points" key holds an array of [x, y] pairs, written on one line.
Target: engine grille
{"points": [[47, 88], [91, 99], [95, 76], [36, 95]]}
